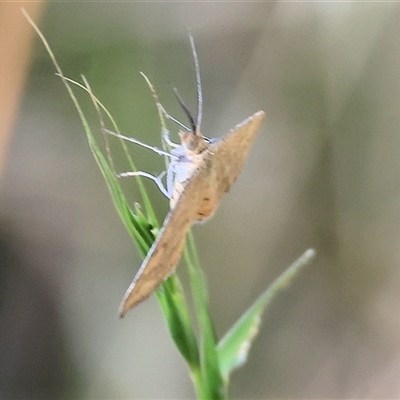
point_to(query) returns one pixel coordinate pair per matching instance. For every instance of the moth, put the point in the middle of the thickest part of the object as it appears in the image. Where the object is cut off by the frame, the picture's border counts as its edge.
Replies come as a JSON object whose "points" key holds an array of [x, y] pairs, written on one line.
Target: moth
{"points": [[201, 170]]}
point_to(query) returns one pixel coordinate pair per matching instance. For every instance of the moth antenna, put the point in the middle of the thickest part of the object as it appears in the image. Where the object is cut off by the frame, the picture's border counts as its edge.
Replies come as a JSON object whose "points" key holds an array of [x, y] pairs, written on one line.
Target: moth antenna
{"points": [[185, 108], [198, 82]]}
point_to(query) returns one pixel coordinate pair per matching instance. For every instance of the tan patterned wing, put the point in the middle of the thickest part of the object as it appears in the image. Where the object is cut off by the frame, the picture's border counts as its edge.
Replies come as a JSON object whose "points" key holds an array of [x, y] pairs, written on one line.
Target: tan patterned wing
{"points": [[165, 253], [230, 152]]}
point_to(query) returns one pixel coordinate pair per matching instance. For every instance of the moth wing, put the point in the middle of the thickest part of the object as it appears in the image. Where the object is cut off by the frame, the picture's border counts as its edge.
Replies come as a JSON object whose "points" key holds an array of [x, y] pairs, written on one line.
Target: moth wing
{"points": [[165, 253], [230, 152]]}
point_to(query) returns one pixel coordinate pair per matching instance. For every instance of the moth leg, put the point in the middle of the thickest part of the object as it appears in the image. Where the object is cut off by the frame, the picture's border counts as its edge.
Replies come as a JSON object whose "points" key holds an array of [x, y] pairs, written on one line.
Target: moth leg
{"points": [[156, 179], [147, 146], [168, 141]]}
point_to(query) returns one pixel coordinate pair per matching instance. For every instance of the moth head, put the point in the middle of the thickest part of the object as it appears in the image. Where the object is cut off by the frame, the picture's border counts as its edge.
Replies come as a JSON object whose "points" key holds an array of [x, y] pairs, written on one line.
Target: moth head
{"points": [[193, 141]]}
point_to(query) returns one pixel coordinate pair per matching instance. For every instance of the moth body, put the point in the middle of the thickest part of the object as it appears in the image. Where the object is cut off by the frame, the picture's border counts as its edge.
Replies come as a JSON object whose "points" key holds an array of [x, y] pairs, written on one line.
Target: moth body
{"points": [[202, 175]]}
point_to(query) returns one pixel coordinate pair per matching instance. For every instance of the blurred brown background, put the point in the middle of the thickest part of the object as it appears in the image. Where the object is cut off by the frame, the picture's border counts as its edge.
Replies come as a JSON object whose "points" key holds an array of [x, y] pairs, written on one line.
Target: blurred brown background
{"points": [[325, 173]]}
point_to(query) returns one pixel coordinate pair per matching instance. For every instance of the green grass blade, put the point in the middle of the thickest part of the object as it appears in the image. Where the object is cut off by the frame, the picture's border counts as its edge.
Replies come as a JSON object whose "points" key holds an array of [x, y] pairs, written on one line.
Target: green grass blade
{"points": [[173, 303], [118, 197], [234, 346], [212, 381]]}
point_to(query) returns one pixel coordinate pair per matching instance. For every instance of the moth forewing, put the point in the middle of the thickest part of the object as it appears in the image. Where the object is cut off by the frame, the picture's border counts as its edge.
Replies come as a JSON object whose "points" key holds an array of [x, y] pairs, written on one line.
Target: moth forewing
{"points": [[165, 253], [230, 151]]}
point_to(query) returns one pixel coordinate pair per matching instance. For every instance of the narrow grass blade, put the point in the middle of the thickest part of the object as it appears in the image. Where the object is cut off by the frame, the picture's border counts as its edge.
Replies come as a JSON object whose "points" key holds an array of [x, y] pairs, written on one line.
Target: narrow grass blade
{"points": [[234, 347], [212, 381]]}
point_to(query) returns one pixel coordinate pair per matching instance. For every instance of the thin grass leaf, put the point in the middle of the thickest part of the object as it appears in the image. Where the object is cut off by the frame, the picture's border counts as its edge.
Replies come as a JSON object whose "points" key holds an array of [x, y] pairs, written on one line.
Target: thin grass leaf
{"points": [[117, 195], [173, 303], [151, 217], [234, 347], [209, 358]]}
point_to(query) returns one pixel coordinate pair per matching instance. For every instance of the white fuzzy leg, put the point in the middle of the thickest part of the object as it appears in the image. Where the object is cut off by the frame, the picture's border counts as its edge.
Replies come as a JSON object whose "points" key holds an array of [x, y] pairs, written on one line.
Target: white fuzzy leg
{"points": [[156, 179]]}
